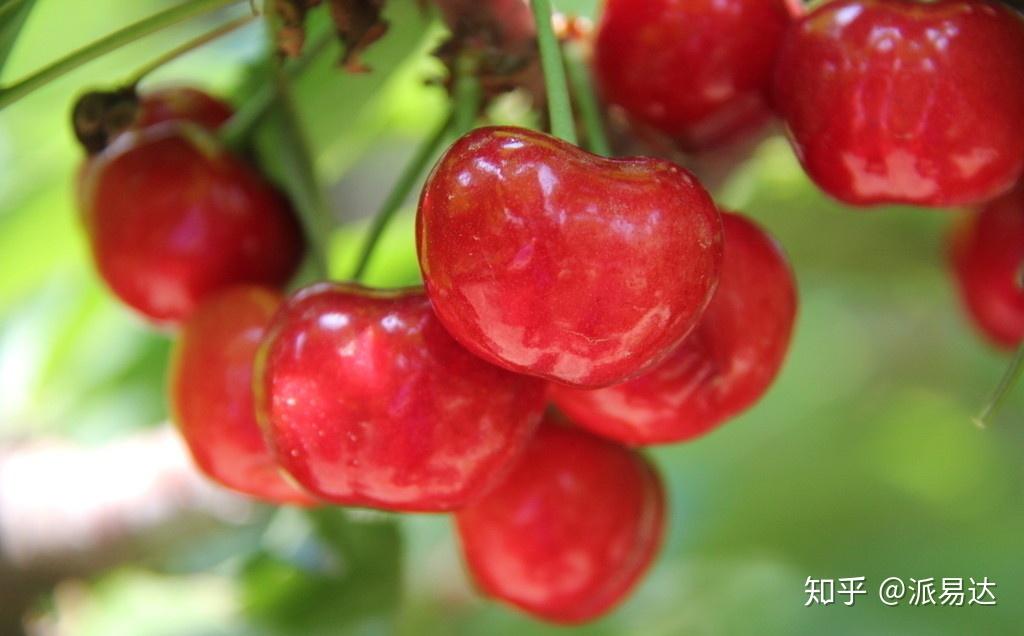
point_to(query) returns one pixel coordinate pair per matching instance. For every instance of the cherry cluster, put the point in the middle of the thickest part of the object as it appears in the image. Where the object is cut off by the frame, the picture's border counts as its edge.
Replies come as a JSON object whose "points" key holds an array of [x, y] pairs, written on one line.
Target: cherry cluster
{"points": [[574, 306], [611, 288], [884, 102]]}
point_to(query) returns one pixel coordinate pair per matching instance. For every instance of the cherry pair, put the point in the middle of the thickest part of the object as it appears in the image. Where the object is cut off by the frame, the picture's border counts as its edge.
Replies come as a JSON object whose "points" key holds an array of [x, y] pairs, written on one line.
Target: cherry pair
{"points": [[175, 222], [366, 400], [549, 261], [885, 101], [172, 216]]}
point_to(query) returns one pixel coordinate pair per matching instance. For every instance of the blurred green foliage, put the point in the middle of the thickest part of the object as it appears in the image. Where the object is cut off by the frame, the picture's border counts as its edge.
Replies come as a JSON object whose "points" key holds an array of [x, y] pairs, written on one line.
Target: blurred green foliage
{"points": [[861, 461]]}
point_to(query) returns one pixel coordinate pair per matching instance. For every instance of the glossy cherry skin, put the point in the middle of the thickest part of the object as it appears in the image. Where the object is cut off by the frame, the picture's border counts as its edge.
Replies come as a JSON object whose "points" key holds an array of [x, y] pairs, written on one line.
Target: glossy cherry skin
{"points": [[697, 70], [570, 531], [182, 103], [550, 261], [987, 254], [899, 101], [173, 217], [211, 393], [367, 401], [721, 369]]}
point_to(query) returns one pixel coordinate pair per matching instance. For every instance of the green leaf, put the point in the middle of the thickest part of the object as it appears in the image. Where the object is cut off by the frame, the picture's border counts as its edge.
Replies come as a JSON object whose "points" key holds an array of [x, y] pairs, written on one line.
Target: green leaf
{"points": [[13, 14], [343, 576]]}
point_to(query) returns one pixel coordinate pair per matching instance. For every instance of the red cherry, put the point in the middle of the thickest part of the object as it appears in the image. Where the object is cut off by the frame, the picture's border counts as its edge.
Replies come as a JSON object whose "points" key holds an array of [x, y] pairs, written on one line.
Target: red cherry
{"points": [[900, 101], [570, 531], [698, 70], [211, 393], [721, 369], [368, 401], [987, 253], [173, 217], [182, 103], [548, 260]]}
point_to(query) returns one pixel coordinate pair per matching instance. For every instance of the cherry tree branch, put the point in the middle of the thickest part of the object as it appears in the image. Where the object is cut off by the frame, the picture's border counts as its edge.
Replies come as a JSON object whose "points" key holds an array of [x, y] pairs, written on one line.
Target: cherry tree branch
{"points": [[112, 42]]}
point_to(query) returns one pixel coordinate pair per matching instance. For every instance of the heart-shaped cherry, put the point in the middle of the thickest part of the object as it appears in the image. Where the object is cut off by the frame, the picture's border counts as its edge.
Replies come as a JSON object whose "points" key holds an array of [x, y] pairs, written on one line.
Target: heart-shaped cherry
{"points": [[173, 217], [211, 393], [368, 401], [570, 531], [550, 261], [697, 70], [987, 253], [901, 101], [722, 367]]}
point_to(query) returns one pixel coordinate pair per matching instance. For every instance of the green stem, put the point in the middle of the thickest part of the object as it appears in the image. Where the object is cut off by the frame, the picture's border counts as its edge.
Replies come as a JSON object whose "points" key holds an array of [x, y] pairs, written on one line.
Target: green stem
{"points": [[235, 132], [559, 109], [406, 181], [467, 98], [586, 100], [184, 11], [313, 208], [191, 45], [10, 7], [1008, 381]]}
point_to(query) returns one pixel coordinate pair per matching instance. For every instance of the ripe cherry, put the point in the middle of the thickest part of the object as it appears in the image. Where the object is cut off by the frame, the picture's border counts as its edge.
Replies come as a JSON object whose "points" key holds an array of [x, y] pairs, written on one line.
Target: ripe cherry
{"points": [[987, 253], [550, 261], [900, 101], [722, 368], [182, 103], [697, 70], [211, 393], [368, 401], [570, 531], [173, 217]]}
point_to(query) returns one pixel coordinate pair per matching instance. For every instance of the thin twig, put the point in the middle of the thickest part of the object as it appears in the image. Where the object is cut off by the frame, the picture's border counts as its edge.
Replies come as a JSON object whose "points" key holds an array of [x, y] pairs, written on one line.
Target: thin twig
{"points": [[191, 45], [559, 108], [142, 28], [1008, 381], [313, 209], [586, 100], [403, 186], [236, 130]]}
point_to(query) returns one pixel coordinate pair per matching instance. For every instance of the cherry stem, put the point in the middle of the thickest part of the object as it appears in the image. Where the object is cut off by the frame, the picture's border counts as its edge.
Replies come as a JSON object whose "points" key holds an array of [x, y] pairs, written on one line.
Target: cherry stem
{"points": [[460, 119], [559, 108], [403, 187], [236, 130], [112, 42], [1002, 390], [467, 97], [586, 99], [313, 211], [191, 45]]}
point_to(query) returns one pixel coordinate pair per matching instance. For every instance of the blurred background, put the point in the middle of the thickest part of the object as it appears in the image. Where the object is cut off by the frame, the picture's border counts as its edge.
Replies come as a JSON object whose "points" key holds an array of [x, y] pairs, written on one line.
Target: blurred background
{"points": [[861, 461]]}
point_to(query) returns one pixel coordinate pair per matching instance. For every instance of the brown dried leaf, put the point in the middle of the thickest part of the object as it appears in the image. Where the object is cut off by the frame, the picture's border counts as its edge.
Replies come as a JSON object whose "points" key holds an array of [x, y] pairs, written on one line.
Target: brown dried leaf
{"points": [[359, 25], [292, 33], [499, 39]]}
